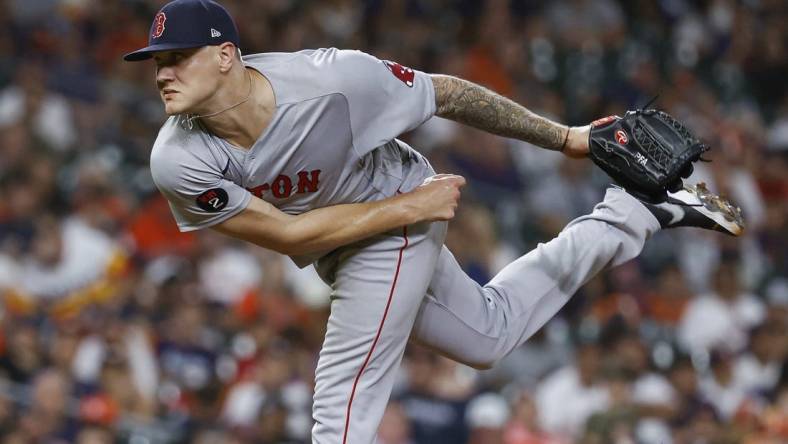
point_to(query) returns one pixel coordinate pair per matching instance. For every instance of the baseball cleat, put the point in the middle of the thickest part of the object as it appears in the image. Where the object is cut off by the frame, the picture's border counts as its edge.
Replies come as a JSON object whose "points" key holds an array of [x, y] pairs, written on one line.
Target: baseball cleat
{"points": [[696, 206]]}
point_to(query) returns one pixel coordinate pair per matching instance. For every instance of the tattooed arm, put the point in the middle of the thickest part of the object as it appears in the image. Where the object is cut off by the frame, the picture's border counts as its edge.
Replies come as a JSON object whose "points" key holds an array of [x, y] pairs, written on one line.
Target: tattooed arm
{"points": [[474, 105]]}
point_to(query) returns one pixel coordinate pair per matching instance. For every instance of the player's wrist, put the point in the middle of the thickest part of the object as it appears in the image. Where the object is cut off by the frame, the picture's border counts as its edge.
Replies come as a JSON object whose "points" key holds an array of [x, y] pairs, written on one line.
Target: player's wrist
{"points": [[409, 209], [576, 145]]}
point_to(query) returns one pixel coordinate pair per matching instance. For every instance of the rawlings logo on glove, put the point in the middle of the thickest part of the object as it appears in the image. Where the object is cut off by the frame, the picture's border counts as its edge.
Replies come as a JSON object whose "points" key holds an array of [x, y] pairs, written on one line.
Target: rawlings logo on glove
{"points": [[647, 152]]}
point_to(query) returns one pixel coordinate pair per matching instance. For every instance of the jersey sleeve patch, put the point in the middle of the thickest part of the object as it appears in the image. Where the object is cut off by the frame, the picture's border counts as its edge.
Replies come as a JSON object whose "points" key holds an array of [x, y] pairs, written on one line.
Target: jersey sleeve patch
{"points": [[405, 74], [213, 200]]}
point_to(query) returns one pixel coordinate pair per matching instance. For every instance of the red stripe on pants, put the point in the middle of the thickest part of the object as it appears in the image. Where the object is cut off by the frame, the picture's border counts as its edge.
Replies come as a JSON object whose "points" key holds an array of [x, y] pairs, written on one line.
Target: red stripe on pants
{"points": [[377, 336]]}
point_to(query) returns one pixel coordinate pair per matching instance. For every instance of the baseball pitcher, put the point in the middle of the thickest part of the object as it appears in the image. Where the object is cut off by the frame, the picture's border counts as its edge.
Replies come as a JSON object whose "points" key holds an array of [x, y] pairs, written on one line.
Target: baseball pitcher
{"points": [[297, 152]]}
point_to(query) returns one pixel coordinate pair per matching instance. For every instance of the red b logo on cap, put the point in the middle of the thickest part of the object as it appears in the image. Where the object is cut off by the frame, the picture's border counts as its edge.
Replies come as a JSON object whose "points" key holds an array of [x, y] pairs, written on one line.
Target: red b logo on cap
{"points": [[158, 25]]}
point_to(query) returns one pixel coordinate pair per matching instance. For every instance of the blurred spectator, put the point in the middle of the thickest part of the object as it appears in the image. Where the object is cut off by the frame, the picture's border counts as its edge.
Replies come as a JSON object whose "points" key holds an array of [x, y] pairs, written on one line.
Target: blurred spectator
{"points": [[666, 303], [185, 355], [22, 356], [46, 419], [47, 114], [719, 387], [215, 437], [476, 246], [486, 417], [395, 426], [523, 426], [94, 435], [435, 401], [579, 382], [757, 371], [722, 318], [643, 389], [695, 417]]}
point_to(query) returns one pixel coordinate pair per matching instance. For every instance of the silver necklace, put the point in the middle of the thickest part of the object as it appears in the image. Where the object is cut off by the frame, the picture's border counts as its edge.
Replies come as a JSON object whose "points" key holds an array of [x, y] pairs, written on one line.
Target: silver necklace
{"points": [[190, 118]]}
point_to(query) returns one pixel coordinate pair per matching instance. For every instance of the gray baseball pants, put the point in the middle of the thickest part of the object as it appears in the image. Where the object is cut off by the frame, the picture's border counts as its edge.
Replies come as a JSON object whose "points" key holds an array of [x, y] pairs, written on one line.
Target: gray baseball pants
{"points": [[407, 283]]}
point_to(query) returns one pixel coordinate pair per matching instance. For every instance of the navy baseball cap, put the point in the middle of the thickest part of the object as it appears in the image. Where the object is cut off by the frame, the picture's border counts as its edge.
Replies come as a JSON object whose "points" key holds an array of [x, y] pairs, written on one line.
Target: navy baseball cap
{"points": [[183, 24]]}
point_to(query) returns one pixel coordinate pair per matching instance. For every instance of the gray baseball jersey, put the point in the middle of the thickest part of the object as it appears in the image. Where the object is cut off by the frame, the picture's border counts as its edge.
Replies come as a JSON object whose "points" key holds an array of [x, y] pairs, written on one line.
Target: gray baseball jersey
{"points": [[332, 141]]}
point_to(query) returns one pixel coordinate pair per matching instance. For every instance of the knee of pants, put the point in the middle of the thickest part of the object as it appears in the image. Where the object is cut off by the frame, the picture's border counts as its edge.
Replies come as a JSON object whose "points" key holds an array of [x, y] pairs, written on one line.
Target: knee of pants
{"points": [[481, 359], [477, 358]]}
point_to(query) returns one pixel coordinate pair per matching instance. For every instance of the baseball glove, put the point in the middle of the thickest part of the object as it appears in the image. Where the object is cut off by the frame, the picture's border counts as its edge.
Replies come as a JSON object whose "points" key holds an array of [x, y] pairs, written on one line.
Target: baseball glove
{"points": [[647, 152]]}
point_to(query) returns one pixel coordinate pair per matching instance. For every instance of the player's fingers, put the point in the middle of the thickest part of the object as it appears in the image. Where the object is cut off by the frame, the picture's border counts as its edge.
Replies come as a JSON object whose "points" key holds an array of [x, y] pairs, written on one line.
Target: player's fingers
{"points": [[449, 177], [454, 179], [445, 176], [437, 178]]}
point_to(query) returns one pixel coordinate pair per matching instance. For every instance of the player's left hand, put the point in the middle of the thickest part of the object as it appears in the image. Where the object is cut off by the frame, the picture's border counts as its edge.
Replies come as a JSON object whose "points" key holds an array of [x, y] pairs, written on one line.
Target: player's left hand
{"points": [[648, 152], [577, 143]]}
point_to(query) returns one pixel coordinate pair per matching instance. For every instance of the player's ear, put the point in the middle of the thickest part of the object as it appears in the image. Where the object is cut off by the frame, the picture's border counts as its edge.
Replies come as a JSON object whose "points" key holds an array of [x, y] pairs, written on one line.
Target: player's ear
{"points": [[227, 53]]}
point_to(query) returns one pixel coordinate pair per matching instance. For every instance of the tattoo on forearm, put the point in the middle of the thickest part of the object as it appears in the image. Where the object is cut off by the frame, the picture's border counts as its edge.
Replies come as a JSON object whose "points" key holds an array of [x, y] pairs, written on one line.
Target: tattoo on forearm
{"points": [[474, 105]]}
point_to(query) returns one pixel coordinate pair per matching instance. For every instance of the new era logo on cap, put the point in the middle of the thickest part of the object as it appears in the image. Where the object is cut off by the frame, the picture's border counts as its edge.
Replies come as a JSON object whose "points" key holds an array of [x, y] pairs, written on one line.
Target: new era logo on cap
{"points": [[215, 33]]}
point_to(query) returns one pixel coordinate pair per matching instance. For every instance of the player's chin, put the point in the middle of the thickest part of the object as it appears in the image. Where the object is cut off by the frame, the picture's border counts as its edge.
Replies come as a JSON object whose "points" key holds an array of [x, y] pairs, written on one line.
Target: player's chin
{"points": [[172, 108]]}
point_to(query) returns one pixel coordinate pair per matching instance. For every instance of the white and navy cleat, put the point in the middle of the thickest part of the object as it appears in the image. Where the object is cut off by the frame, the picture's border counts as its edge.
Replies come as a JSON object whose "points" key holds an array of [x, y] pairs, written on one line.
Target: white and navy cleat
{"points": [[696, 206]]}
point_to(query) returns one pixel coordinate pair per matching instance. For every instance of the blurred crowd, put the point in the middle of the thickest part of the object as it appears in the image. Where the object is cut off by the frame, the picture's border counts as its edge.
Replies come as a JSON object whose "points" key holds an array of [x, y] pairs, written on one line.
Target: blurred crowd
{"points": [[116, 328]]}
